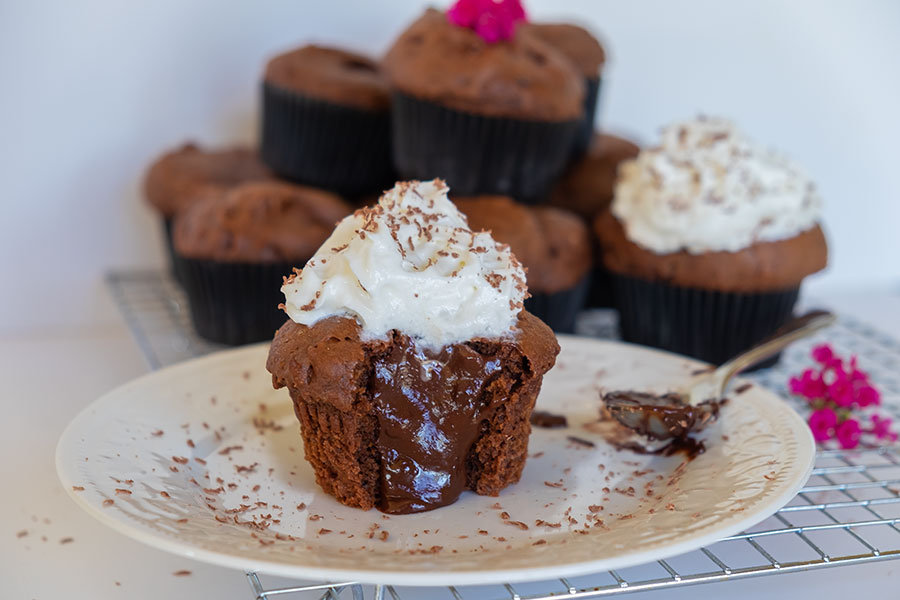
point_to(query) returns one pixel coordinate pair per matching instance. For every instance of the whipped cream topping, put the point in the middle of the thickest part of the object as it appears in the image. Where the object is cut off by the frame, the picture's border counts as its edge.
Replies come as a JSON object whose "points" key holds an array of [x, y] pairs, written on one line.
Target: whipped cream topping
{"points": [[707, 188], [411, 263]]}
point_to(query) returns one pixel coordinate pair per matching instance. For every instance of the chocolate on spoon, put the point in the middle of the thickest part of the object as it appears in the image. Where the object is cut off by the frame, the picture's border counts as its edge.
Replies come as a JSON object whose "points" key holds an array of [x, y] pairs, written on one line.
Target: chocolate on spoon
{"points": [[673, 415]]}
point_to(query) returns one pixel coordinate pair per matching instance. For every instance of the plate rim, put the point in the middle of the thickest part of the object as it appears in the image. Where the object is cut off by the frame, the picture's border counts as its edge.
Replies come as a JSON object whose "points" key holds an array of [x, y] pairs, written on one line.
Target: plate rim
{"points": [[805, 448]]}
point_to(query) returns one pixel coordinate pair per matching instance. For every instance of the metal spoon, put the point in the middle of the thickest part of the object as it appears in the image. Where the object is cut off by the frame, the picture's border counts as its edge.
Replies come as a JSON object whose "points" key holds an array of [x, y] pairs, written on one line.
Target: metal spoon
{"points": [[675, 414]]}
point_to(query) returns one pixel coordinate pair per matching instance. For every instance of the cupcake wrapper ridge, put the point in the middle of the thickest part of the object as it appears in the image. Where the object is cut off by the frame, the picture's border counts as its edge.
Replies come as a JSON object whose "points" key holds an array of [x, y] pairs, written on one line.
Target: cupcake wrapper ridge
{"points": [[586, 130], [175, 261], [600, 290], [709, 325], [235, 303], [478, 154], [319, 143]]}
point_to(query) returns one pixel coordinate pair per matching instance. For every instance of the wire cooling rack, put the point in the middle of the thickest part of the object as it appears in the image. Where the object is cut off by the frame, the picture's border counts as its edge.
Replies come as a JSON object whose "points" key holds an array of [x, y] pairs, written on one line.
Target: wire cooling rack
{"points": [[848, 513]]}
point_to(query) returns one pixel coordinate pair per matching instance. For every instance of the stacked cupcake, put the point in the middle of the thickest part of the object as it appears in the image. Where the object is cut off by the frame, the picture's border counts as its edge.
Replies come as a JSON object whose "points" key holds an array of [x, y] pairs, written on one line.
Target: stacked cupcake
{"points": [[497, 107], [700, 243], [502, 109]]}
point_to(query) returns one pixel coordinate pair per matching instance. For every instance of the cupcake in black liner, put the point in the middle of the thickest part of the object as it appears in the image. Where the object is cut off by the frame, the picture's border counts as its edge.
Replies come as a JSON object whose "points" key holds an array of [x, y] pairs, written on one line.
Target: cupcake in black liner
{"points": [[690, 321], [178, 177], [326, 120], [589, 57], [494, 117], [709, 238], [552, 244], [235, 247], [586, 188]]}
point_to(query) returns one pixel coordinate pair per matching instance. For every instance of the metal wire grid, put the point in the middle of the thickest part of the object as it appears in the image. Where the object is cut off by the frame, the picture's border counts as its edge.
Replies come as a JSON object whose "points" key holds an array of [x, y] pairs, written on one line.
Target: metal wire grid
{"points": [[848, 513]]}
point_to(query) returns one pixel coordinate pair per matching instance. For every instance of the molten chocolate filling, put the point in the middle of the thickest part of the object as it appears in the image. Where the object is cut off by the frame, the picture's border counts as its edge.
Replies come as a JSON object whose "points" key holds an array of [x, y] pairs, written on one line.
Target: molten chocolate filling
{"points": [[429, 406]]}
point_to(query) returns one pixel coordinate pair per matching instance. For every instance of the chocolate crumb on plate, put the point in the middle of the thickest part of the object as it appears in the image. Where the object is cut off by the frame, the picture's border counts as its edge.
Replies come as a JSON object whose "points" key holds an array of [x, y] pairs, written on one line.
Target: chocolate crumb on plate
{"points": [[182, 573], [66, 540], [547, 420], [581, 441], [742, 388]]}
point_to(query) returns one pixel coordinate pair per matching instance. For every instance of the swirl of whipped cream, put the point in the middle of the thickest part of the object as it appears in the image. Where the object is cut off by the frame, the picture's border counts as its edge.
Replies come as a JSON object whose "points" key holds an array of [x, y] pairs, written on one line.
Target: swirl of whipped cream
{"points": [[411, 263], [707, 188]]}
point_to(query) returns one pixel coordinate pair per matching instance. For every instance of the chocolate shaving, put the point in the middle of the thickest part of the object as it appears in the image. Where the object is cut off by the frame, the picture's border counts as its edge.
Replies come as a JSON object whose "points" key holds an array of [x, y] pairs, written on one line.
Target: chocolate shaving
{"points": [[742, 388], [581, 441]]}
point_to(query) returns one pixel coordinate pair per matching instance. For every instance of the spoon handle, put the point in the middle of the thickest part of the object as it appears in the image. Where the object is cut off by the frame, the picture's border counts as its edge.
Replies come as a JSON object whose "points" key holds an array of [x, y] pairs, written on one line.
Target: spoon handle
{"points": [[795, 329]]}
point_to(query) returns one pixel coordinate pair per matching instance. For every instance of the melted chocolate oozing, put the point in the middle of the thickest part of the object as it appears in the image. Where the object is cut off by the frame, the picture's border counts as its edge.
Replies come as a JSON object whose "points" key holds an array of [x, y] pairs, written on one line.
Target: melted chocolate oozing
{"points": [[686, 445], [659, 417], [429, 407]]}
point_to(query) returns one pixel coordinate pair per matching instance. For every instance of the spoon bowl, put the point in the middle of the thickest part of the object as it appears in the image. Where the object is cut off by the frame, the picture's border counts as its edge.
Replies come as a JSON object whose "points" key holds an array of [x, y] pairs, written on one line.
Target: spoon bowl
{"points": [[674, 415]]}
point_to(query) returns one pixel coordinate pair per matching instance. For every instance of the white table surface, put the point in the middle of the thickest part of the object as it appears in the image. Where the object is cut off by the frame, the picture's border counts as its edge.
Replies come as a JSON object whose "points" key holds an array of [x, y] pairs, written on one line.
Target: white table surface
{"points": [[48, 376]]}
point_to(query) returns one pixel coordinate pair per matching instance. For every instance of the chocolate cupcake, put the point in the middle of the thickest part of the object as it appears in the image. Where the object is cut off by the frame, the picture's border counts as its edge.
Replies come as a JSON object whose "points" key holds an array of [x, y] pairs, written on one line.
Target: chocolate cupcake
{"points": [[709, 238], [179, 176], [552, 244], [491, 117], [235, 246], [406, 321], [586, 188], [588, 56], [326, 120]]}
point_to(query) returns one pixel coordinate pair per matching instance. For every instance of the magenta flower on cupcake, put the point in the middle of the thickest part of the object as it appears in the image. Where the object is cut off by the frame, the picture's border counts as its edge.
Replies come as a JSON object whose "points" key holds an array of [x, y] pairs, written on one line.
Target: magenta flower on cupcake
{"points": [[493, 20]]}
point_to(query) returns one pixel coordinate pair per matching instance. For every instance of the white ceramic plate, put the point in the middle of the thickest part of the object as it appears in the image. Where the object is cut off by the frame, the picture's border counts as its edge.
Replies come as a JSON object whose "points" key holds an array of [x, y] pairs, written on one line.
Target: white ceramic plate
{"points": [[204, 459]]}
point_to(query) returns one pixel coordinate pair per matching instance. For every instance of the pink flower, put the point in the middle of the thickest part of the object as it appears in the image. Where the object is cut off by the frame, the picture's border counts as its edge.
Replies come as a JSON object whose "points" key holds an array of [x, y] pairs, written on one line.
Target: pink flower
{"points": [[840, 390], [809, 385], [464, 13], [866, 395], [492, 20], [848, 434], [881, 428], [822, 423], [823, 354]]}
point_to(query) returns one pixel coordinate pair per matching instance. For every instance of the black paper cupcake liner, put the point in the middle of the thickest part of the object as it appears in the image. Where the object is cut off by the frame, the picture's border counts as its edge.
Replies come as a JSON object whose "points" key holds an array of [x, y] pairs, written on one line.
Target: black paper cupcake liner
{"points": [[235, 303], [709, 325], [319, 143], [559, 310], [175, 261], [600, 289], [586, 129], [478, 154]]}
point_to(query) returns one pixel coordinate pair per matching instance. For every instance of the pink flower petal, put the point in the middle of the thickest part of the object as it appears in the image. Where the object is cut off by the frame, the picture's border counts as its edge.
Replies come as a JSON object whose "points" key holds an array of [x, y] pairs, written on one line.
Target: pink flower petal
{"points": [[848, 434], [823, 353], [822, 423]]}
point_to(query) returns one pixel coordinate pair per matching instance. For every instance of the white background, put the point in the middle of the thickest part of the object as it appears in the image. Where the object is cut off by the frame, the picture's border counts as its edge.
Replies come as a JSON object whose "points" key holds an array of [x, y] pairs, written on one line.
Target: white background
{"points": [[91, 91]]}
